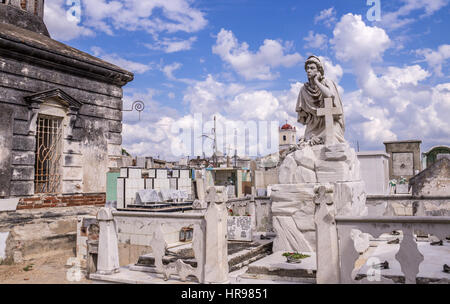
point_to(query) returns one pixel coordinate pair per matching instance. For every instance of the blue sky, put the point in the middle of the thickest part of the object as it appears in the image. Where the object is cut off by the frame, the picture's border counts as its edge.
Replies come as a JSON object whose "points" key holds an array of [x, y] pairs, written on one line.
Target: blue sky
{"points": [[243, 61]]}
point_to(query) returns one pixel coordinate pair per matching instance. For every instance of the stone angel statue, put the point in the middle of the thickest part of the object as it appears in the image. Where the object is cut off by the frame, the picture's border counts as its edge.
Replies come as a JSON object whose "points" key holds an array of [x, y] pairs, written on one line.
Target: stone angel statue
{"points": [[311, 98]]}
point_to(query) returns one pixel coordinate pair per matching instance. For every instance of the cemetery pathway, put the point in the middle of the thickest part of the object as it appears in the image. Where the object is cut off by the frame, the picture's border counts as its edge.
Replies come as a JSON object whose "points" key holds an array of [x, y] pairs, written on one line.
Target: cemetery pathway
{"points": [[49, 269]]}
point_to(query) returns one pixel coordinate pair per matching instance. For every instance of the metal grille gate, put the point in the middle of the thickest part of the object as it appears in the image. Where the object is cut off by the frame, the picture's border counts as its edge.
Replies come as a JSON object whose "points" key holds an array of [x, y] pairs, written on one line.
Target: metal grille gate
{"points": [[48, 155]]}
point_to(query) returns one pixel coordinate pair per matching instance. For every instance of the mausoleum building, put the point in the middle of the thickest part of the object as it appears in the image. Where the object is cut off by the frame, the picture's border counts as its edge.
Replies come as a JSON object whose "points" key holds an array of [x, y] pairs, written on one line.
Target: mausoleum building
{"points": [[404, 160], [60, 114]]}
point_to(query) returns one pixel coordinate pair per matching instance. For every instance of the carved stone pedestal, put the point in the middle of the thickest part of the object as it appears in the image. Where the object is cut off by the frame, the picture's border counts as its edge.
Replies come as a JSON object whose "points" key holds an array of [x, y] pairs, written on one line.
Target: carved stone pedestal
{"points": [[303, 171]]}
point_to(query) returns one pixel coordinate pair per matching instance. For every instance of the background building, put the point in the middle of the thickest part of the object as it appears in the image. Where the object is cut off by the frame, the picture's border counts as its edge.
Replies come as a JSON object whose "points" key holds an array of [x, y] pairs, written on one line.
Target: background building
{"points": [[288, 136], [60, 113]]}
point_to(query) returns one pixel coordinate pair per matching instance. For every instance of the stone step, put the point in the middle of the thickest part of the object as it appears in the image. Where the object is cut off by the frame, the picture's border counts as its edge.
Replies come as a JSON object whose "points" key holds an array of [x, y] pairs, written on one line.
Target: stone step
{"points": [[240, 254], [275, 267], [245, 256], [160, 207]]}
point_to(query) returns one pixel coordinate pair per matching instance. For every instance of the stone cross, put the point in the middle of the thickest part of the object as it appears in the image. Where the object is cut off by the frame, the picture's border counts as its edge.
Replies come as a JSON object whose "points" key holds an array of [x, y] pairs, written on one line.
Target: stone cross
{"points": [[329, 112], [327, 251], [216, 260]]}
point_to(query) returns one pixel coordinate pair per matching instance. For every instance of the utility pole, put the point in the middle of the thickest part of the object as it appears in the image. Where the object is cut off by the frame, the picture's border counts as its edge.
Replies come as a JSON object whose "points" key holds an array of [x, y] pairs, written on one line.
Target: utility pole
{"points": [[235, 148], [215, 143]]}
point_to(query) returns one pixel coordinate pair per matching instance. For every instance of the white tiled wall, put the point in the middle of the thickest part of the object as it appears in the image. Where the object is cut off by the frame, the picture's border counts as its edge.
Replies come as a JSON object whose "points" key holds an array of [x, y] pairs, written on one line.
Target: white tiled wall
{"points": [[161, 174], [184, 174]]}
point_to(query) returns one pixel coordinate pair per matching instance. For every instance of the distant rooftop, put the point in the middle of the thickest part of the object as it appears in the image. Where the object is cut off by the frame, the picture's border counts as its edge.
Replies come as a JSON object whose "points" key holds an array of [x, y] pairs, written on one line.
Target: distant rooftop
{"points": [[371, 153], [403, 141]]}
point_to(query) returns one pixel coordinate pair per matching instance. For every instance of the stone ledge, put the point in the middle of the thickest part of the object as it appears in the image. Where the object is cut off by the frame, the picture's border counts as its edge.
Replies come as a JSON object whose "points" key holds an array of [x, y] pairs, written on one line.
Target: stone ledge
{"points": [[407, 197], [276, 265], [55, 201]]}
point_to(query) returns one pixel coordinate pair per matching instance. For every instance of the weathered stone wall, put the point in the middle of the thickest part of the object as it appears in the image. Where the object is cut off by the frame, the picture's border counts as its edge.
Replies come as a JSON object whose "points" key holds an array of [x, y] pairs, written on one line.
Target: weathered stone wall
{"points": [[408, 205], [6, 124], [263, 211], [264, 178], [9, 14], [34, 232], [96, 140], [52, 201], [434, 180]]}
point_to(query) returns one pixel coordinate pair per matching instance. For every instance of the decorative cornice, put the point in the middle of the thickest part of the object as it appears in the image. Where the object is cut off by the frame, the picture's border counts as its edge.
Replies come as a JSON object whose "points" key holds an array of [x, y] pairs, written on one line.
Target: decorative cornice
{"points": [[59, 94], [37, 49]]}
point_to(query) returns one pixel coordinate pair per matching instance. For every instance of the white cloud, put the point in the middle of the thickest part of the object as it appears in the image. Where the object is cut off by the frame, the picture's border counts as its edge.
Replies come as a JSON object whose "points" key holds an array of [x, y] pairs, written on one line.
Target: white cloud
{"points": [[436, 59], [355, 41], [170, 68], [135, 67], [398, 19], [172, 45], [150, 136], [392, 103], [396, 77], [401, 109], [327, 16], [176, 15], [360, 45], [251, 65], [258, 105], [152, 16], [59, 26], [316, 41], [210, 96], [365, 122]]}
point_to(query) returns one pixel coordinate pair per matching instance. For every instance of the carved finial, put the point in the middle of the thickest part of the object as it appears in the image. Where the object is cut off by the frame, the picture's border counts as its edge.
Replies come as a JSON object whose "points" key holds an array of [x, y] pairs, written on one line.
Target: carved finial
{"points": [[211, 194], [324, 194], [216, 194]]}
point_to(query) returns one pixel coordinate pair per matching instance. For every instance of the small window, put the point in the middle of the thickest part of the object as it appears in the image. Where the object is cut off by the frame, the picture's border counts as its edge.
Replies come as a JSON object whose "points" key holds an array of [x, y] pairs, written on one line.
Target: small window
{"points": [[48, 155], [284, 137]]}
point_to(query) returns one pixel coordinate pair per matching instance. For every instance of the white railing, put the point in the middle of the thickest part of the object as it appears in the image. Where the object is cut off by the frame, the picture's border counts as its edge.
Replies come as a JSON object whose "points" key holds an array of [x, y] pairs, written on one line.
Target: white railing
{"points": [[408, 254], [209, 241], [336, 252]]}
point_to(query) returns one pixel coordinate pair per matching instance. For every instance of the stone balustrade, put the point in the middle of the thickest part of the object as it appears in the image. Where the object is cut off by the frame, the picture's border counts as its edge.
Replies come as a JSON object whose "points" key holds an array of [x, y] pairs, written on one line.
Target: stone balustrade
{"points": [[147, 229], [408, 254]]}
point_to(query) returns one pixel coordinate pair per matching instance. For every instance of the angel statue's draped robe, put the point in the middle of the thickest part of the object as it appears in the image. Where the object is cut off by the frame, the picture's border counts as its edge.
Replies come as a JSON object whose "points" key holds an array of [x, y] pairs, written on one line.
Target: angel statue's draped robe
{"points": [[309, 100]]}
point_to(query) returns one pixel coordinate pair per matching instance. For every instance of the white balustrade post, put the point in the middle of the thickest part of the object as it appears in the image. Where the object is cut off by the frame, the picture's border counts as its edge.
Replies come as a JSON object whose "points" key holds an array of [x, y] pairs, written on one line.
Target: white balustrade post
{"points": [[252, 212], [216, 262], [327, 250], [108, 249]]}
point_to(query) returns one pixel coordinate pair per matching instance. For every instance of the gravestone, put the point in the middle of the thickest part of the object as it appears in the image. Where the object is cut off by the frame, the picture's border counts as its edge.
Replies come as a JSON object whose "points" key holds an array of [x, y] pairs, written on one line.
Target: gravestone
{"points": [[6, 131], [404, 158], [239, 228], [322, 158]]}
